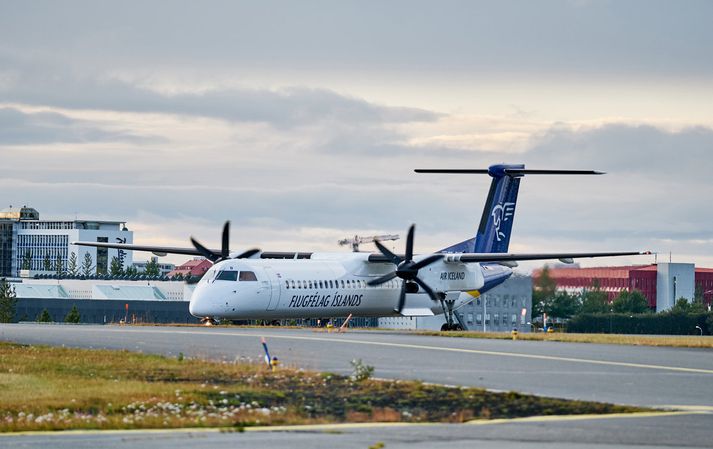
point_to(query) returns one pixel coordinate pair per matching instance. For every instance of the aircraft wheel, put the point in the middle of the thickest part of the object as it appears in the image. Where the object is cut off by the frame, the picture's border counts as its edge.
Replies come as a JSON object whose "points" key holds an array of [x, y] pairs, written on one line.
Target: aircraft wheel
{"points": [[457, 327], [445, 327], [209, 321]]}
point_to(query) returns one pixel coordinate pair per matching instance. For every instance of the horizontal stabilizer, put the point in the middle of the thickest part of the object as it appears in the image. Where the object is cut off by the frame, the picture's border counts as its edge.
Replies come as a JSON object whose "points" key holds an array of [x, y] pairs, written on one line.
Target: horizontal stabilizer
{"points": [[507, 171]]}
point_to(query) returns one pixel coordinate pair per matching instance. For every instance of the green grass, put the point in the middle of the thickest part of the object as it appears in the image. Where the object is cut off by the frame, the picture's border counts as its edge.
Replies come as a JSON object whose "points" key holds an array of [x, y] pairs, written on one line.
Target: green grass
{"points": [[51, 388], [679, 341]]}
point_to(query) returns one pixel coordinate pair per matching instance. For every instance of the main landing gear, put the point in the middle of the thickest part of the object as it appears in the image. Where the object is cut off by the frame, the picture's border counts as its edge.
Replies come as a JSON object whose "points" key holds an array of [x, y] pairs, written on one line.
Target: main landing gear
{"points": [[447, 305]]}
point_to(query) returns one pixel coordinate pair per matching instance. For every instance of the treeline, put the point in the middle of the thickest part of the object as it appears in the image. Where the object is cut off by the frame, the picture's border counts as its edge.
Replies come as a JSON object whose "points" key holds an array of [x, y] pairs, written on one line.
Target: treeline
{"points": [[629, 313], [668, 323]]}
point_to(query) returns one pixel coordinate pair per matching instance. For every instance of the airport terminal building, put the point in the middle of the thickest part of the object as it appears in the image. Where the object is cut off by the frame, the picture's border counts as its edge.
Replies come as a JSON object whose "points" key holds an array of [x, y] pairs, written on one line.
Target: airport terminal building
{"points": [[28, 242], [502, 309]]}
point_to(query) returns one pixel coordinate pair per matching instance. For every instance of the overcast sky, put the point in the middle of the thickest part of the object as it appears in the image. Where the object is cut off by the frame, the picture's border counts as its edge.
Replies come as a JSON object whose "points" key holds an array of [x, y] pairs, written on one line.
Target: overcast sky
{"points": [[302, 122]]}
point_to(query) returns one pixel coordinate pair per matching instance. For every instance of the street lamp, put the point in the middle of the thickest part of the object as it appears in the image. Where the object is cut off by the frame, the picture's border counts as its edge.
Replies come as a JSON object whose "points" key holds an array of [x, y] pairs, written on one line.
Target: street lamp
{"points": [[699, 328]]}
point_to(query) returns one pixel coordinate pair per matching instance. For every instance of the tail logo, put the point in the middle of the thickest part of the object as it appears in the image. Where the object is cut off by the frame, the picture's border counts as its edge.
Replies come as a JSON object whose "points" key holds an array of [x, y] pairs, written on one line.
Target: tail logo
{"points": [[502, 213]]}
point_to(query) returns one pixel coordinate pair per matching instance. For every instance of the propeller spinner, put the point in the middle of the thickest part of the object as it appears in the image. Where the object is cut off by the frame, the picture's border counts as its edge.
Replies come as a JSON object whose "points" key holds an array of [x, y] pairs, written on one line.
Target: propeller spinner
{"points": [[406, 269], [224, 253]]}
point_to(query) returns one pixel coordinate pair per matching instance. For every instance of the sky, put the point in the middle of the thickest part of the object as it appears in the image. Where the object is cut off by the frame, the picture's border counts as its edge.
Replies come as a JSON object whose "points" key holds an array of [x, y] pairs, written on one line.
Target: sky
{"points": [[302, 122]]}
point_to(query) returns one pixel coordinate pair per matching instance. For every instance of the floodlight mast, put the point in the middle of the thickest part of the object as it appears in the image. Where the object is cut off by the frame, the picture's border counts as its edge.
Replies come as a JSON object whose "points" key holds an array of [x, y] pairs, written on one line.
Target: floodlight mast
{"points": [[357, 240]]}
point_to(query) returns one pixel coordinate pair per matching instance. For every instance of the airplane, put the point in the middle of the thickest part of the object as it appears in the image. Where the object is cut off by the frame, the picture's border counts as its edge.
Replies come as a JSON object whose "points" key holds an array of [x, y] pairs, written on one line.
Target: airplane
{"points": [[264, 285]]}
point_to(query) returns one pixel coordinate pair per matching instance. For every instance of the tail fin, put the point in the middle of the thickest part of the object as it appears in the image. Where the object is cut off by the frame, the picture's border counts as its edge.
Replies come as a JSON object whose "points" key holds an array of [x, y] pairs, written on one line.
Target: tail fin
{"points": [[493, 235]]}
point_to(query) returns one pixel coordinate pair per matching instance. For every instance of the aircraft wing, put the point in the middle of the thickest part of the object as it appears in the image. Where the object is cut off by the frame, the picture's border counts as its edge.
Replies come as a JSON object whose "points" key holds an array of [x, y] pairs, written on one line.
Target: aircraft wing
{"points": [[514, 257], [158, 250]]}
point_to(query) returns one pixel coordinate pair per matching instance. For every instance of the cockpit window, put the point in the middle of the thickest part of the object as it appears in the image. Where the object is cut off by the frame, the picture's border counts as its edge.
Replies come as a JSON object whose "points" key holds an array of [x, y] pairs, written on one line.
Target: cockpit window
{"points": [[247, 276], [227, 275]]}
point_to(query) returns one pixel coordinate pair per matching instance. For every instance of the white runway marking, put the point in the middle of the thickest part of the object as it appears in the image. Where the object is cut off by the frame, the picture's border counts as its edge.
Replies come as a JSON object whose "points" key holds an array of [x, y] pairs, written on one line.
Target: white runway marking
{"points": [[436, 348]]}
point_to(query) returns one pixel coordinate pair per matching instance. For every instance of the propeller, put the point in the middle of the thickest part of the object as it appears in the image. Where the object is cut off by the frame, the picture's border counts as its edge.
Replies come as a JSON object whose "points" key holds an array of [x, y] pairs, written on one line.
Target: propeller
{"points": [[406, 269], [224, 253]]}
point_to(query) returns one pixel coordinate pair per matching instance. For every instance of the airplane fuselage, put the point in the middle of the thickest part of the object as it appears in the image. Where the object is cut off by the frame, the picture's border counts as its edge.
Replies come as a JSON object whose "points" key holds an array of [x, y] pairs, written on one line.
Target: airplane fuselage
{"points": [[326, 284]]}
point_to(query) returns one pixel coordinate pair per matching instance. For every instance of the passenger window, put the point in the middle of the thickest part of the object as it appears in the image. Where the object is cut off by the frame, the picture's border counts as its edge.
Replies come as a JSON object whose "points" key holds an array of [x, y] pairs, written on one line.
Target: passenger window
{"points": [[227, 275], [320, 284], [310, 284], [292, 283], [342, 283], [287, 285], [330, 284], [248, 276]]}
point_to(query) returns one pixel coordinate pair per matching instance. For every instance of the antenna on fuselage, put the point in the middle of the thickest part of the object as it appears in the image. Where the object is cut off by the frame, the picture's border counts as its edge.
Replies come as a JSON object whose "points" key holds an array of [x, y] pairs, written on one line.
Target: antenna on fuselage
{"points": [[357, 240]]}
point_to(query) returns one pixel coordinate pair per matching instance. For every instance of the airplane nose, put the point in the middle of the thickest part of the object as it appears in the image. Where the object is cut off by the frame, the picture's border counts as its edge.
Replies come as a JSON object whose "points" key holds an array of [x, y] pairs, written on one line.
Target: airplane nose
{"points": [[199, 306]]}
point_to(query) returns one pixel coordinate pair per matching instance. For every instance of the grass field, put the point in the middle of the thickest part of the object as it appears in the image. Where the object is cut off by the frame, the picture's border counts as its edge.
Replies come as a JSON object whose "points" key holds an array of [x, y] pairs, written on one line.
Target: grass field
{"points": [[680, 341], [49, 388]]}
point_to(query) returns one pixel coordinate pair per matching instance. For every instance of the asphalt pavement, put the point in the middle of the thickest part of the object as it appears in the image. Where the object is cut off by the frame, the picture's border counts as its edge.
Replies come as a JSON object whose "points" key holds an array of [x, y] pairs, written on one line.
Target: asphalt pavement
{"points": [[675, 378]]}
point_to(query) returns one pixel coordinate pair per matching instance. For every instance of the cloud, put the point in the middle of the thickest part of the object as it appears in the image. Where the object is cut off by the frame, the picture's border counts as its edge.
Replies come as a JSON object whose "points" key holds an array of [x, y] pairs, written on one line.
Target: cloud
{"points": [[623, 148], [47, 85], [21, 128]]}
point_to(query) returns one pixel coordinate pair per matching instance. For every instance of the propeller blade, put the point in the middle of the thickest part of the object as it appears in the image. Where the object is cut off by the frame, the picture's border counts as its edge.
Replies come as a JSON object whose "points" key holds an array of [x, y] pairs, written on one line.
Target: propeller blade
{"points": [[402, 298], [205, 252], [409, 243], [247, 254], [426, 288], [385, 251], [382, 279], [427, 261], [225, 247]]}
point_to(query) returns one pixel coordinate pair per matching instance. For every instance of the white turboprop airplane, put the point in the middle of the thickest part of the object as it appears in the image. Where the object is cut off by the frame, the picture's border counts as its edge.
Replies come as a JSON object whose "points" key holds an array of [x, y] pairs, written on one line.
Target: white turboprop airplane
{"points": [[277, 285]]}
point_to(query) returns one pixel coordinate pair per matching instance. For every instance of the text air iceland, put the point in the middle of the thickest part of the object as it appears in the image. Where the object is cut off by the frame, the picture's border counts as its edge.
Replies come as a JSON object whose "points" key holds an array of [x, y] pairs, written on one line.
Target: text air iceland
{"points": [[502, 213], [325, 300]]}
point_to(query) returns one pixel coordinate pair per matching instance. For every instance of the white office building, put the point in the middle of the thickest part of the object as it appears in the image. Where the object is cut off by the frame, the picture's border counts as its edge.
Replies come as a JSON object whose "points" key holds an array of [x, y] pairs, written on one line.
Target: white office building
{"points": [[31, 241]]}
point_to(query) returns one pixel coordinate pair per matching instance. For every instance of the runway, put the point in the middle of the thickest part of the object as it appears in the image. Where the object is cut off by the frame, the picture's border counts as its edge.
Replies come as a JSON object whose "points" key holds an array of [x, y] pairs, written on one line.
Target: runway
{"points": [[650, 376]]}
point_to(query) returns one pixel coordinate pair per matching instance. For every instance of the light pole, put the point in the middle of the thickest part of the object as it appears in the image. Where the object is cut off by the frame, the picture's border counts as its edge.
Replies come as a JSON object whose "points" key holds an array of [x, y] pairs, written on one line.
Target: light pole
{"points": [[701, 330]]}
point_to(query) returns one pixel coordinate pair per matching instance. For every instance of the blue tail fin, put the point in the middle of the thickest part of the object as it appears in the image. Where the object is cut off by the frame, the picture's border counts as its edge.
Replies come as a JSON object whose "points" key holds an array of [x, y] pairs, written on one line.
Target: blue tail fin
{"points": [[493, 234]]}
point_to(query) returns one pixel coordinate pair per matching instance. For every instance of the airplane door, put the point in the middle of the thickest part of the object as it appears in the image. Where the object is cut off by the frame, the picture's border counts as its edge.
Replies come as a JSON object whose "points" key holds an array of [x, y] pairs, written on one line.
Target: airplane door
{"points": [[274, 288]]}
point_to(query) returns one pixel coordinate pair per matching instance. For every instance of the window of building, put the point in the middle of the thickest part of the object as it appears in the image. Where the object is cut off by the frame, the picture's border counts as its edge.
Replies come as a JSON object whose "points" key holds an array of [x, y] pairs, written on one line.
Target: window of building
{"points": [[479, 318]]}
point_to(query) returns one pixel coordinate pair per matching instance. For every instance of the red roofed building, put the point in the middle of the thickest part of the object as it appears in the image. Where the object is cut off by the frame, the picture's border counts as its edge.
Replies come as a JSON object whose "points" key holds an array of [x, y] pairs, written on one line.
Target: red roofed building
{"points": [[613, 280], [192, 268]]}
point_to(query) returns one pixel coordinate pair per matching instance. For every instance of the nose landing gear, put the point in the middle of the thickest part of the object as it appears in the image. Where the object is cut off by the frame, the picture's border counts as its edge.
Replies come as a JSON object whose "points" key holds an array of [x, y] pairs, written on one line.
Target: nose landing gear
{"points": [[208, 321]]}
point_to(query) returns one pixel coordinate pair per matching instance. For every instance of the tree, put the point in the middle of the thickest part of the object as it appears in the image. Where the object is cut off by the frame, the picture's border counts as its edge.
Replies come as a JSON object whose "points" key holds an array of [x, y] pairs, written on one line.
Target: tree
{"points": [[563, 305], [595, 300], [684, 306], [543, 292], [152, 268], [131, 270], [8, 302], [72, 268], [59, 265], [47, 263], [73, 316], [44, 317], [116, 268], [87, 265], [26, 261], [630, 302]]}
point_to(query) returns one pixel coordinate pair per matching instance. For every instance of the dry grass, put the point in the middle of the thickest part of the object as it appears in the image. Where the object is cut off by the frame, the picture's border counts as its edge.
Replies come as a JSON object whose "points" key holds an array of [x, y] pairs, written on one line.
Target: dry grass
{"points": [[47, 388], [678, 341]]}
